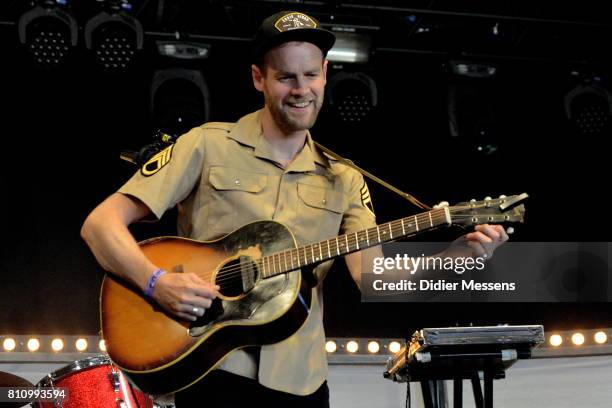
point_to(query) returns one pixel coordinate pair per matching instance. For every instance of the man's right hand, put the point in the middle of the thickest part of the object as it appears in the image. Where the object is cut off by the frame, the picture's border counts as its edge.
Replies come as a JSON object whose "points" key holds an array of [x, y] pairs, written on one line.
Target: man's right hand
{"points": [[184, 295]]}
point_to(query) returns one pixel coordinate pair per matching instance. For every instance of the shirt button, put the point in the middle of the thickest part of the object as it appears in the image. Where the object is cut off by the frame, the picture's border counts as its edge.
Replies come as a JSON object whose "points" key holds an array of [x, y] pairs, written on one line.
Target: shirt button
{"points": [[237, 182], [324, 201]]}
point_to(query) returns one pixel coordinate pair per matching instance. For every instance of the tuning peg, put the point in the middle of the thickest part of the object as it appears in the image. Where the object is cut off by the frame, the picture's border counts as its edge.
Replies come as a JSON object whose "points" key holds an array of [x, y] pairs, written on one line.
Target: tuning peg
{"points": [[509, 230], [502, 196], [473, 200], [441, 204], [487, 198]]}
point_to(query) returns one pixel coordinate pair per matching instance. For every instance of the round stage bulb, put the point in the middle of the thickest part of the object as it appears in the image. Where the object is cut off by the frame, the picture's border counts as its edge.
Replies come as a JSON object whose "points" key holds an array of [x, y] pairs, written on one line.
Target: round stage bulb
{"points": [[373, 347], [394, 347], [331, 346], [33, 344], [57, 344], [9, 344], [352, 346], [556, 340], [102, 345], [600, 337], [81, 344], [578, 339]]}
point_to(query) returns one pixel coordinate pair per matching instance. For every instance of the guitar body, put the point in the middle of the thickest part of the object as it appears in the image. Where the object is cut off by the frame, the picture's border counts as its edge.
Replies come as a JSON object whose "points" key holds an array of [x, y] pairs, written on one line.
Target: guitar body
{"points": [[162, 355]]}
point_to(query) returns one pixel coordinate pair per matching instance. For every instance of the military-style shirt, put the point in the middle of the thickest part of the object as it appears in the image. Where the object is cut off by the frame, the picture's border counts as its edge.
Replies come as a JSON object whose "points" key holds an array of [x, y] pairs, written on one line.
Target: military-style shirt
{"points": [[222, 176]]}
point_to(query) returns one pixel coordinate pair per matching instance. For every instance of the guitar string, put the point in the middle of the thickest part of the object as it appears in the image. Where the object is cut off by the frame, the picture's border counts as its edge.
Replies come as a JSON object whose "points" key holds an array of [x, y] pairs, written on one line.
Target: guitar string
{"points": [[235, 272], [282, 256]]}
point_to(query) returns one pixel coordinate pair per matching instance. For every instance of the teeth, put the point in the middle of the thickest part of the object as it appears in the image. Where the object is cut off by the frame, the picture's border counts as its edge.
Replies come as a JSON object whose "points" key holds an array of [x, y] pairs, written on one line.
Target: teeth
{"points": [[300, 105]]}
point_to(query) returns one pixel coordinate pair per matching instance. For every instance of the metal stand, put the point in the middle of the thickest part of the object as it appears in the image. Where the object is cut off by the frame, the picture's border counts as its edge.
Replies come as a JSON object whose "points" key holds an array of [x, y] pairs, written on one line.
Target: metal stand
{"points": [[463, 370]]}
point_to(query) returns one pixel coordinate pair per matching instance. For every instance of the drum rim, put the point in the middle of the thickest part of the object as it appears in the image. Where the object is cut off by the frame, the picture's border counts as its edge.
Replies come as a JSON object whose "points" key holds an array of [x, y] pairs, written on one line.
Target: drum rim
{"points": [[76, 366]]}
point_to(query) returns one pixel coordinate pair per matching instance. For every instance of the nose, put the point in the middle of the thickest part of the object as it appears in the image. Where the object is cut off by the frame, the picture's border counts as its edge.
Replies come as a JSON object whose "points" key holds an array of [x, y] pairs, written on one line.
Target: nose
{"points": [[299, 87]]}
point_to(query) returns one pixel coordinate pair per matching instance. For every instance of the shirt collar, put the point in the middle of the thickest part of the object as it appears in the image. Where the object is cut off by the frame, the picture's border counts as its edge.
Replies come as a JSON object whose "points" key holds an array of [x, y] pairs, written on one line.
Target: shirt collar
{"points": [[248, 131]]}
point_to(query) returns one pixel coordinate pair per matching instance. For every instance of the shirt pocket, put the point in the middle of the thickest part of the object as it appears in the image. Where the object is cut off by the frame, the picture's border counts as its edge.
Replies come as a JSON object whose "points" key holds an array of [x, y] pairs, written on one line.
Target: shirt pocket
{"points": [[320, 211], [236, 197]]}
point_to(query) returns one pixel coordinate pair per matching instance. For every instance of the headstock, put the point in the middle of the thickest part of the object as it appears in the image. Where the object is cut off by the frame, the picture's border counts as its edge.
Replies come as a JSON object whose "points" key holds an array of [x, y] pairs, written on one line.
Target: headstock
{"points": [[490, 210]]}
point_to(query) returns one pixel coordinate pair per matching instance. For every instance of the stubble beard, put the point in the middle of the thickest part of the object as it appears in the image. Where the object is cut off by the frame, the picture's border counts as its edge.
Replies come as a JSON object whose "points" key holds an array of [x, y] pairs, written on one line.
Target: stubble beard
{"points": [[289, 124]]}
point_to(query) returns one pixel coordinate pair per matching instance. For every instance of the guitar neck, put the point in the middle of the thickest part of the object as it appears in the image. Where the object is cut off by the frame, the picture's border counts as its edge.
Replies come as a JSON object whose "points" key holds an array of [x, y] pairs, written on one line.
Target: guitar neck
{"points": [[312, 254]]}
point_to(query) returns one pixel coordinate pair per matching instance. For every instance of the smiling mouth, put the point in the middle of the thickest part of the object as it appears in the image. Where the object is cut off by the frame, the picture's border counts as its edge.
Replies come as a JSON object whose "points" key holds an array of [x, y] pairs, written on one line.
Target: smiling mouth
{"points": [[299, 104]]}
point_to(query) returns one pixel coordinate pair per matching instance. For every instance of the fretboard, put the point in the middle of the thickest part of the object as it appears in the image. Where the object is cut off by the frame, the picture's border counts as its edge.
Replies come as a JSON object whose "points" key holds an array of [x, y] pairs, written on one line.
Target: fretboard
{"points": [[289, 260]]}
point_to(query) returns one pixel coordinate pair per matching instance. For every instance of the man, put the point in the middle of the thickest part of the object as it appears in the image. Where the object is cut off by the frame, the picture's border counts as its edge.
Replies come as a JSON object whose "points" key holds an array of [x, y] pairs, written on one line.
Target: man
{"points": [[224, 175]]}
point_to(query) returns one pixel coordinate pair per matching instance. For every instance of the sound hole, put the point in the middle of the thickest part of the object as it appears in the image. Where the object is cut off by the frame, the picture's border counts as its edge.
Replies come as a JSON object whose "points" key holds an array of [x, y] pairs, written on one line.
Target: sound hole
{"points": [[237, 277]]}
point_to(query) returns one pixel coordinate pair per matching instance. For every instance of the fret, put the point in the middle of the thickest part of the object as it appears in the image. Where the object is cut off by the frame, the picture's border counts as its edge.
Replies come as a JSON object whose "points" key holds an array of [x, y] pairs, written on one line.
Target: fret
{"points": [[337, 246], [297, 251], [291, 256], [328, 249], [312, 253], [285, 259], [416, 223], [378, 232], [263, 267], [305, 261], [357, 241], [430, 220], [320, 253], [347, 243], [390, 231], [403, 228], [367, 237]]}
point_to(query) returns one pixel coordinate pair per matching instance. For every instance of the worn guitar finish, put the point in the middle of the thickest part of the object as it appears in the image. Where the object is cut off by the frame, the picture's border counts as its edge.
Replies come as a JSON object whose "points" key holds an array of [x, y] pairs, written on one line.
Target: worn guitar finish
{"points": [[160, 354], [264, 296]]}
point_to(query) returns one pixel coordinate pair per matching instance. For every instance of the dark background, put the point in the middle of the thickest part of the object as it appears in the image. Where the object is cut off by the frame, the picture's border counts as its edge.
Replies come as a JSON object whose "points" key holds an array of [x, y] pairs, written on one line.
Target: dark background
{"points": [[63, 130]]}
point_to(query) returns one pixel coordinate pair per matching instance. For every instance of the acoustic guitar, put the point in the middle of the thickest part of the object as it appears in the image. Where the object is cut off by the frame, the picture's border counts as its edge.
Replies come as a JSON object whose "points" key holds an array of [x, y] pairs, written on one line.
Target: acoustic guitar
{"points": [[264, 296]]}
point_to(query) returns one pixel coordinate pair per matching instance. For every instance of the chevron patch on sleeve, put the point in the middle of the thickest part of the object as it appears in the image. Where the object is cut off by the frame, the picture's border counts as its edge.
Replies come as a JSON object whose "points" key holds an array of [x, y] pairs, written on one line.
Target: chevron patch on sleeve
{"points": [[157, 162], [366, 200]]}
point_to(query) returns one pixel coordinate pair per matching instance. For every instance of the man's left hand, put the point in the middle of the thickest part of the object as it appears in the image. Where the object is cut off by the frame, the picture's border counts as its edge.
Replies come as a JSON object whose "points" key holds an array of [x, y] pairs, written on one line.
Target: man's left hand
{"points": [[481, 243]]}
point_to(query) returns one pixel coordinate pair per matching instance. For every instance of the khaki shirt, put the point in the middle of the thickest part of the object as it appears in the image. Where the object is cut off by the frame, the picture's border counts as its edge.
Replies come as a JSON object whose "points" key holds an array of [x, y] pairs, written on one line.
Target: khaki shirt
{"points": [[222, 176]]}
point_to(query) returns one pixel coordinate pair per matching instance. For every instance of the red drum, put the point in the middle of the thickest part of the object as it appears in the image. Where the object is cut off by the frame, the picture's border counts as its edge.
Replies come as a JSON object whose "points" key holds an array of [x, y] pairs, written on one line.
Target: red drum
{"points": [[94, 383]]}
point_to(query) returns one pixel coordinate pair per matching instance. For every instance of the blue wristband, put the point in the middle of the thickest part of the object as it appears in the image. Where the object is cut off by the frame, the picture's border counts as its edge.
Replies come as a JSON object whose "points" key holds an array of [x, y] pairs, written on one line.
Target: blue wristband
{"points": [[152, 281]]}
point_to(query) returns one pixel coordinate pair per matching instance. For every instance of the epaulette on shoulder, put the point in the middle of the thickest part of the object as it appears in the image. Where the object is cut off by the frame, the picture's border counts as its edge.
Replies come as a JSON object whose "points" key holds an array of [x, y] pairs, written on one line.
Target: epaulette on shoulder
{"points": [[226, 126]]}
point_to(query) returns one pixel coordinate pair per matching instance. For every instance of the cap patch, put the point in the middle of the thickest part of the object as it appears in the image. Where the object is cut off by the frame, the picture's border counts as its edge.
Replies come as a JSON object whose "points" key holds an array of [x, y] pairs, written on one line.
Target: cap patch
{"points": [[156, 162], [293, 21]]}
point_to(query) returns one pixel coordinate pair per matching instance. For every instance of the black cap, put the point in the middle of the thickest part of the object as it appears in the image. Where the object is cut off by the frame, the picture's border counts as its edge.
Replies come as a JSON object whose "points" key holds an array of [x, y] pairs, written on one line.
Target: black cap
{"points": [[288, 26]]}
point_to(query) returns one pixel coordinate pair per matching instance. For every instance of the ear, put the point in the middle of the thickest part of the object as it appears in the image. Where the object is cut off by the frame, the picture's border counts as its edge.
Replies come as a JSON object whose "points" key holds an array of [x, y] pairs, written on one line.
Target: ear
{"points": [[325, 61], [258, 77]]}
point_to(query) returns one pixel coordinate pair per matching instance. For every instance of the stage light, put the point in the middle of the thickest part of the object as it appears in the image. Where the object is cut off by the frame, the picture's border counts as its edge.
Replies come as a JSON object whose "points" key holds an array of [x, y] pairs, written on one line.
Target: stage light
{"points": [[49, 31], [555, 340], [179, 100], [331, 346], [183, 50], [578, 339], [102, 345], [352, 96], [394, 347], [589, 105], [350, 48], [57, 345], [114, 36], [352, 346], [9, 344], [472, 69], [33, 345], [373, 347], [600, 337], [81, 344]]}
